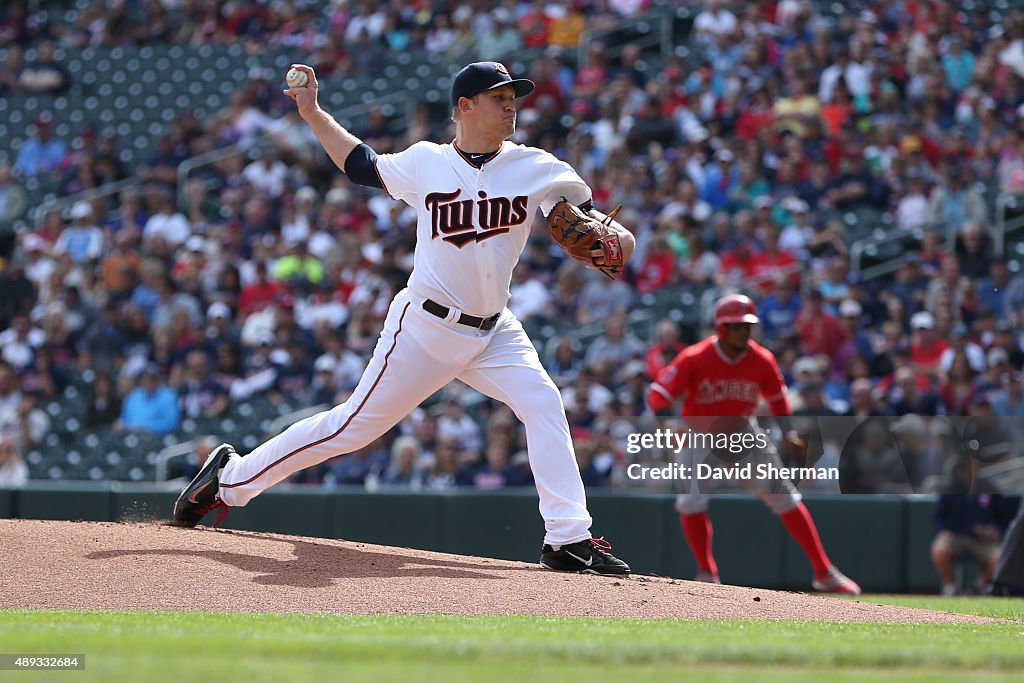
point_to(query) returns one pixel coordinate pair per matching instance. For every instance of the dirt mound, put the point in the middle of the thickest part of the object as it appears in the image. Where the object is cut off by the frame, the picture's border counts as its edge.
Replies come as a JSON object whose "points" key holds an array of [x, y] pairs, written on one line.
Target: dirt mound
{"points": [[104, 565]]}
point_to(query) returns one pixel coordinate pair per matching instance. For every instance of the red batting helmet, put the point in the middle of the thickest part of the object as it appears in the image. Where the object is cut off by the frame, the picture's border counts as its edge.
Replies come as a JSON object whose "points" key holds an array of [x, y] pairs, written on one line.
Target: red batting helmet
{"points": [[735, 308]]}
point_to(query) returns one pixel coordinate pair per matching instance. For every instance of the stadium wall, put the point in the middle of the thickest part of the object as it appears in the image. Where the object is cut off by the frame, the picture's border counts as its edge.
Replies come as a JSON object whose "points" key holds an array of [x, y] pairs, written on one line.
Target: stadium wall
{"points": [[881, 541]]}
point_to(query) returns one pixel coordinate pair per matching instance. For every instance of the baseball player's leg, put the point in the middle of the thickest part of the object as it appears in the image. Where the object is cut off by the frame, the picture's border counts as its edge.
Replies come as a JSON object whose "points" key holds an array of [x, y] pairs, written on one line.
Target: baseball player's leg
{"points": [[783, 499], [786, 502], [698, 531], [509, 370], [399, 376]]}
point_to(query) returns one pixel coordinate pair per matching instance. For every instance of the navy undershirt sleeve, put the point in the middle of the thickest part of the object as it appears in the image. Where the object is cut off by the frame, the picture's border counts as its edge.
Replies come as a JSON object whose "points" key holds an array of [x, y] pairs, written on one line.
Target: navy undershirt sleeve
{"points": [[360, 167]]}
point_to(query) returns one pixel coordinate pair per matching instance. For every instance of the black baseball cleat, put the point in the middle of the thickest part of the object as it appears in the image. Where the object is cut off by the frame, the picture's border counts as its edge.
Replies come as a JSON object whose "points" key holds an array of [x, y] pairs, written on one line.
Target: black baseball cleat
{"points": [[584, 557], [200, 497]]}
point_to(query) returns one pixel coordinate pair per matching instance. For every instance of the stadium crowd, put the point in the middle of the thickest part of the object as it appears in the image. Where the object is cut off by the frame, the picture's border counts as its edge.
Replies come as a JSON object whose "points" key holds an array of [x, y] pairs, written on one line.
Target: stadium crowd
{"points": [[735, 164]]}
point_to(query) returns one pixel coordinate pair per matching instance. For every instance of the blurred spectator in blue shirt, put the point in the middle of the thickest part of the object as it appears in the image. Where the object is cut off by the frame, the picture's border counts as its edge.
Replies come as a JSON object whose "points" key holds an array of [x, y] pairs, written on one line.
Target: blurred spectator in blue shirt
{"points": [[1009, 401], [82, 240], [720, 181], [958, 65], [778, 310], [150, 407], [41, 154], [857, 336], [992, 289]]}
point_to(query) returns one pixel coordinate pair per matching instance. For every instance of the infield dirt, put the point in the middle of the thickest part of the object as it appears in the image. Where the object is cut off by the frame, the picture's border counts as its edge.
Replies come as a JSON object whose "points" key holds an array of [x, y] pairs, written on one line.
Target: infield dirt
{"points": [[151, 566]]}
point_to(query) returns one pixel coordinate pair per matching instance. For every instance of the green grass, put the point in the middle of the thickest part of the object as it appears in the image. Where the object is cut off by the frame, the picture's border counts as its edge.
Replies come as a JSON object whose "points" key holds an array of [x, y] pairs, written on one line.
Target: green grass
{"points": [[999, 608], [154, 647]]}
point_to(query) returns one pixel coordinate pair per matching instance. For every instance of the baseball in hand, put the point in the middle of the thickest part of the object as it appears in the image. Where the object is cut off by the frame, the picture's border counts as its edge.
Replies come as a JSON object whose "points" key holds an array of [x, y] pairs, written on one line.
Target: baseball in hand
{"points": [[295, 78]]}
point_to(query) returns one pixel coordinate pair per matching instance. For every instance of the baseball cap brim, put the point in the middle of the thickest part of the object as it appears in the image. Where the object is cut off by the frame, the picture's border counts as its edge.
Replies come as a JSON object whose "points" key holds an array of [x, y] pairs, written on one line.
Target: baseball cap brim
{"points": [[522, 86], [479, 77]]}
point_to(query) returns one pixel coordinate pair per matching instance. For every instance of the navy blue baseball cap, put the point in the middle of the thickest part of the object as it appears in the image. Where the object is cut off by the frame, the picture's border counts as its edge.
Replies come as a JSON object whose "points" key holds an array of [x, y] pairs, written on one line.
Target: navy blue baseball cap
{"points": [[479, 77]]}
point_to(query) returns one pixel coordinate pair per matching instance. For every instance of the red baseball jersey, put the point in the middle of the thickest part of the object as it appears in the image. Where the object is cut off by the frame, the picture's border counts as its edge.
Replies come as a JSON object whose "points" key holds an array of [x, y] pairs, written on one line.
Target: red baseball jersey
{"points": [[712, 384]]}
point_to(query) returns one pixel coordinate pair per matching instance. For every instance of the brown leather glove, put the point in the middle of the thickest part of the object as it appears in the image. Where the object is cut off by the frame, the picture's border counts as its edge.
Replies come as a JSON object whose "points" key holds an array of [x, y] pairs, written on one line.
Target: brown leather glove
{"points": [[587, 239]]}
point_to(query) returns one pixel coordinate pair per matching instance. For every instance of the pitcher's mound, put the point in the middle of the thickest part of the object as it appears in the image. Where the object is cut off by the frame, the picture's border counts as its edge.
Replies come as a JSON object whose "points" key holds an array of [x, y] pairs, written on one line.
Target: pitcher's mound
{"points": [[105, 565]]}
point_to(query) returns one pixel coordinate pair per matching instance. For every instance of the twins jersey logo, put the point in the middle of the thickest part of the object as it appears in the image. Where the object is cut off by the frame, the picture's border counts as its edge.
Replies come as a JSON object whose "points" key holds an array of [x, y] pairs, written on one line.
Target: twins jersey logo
{"points": [[457, 220]]}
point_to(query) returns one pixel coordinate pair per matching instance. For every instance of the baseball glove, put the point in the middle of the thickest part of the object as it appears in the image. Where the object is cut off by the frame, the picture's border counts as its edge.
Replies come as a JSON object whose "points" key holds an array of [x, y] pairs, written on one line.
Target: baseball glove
{"points": [[585, 238]]}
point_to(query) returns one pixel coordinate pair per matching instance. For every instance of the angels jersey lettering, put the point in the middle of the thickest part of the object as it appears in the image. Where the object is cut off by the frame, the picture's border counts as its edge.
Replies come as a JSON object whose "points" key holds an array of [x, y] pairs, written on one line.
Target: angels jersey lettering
{"points": [[712, 384], [472, 224]]}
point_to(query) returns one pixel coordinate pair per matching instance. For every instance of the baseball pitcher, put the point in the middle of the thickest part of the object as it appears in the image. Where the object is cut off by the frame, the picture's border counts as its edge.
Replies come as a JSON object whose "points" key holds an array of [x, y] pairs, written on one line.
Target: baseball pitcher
{"points": [[475, 199]]}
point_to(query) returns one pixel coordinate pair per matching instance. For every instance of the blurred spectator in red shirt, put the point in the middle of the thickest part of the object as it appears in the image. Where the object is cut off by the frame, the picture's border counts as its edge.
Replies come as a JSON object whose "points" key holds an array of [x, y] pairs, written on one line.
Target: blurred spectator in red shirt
{"points": [[756, 120], [925, 347], [820, 333], [772, 263], [260, 293], [535, 25], [666, 347], [738, 264], [658, 267], [958, 389]]}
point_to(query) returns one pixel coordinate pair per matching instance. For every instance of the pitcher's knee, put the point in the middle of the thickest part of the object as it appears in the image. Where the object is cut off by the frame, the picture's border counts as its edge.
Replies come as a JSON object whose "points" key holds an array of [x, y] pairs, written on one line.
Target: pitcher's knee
{"points": [[540, 404]]}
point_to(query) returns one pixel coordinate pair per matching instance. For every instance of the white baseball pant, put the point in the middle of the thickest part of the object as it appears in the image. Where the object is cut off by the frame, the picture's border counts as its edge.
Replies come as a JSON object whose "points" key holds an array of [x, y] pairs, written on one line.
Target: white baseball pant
{"points": [[416, 355]]}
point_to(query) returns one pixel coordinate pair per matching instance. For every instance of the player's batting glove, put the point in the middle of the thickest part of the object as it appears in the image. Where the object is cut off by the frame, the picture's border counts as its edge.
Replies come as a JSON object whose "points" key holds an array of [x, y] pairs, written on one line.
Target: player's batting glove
{"points": [[583, 236]]}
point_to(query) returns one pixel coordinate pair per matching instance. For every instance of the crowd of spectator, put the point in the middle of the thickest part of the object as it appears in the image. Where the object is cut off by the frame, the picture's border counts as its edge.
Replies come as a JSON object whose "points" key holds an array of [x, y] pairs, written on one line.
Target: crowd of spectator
{"points": [[736, 164]]}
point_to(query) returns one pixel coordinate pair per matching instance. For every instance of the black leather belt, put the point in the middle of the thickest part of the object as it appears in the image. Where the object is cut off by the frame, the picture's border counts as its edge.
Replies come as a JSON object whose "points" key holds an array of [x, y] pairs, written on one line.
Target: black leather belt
{"points": [[440, 311]]}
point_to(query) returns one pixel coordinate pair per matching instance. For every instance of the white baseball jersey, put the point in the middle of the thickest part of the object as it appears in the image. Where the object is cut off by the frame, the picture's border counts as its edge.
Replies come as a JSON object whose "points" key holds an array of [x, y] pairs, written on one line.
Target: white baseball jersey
{"points": [[473, 223], [472, 227]]}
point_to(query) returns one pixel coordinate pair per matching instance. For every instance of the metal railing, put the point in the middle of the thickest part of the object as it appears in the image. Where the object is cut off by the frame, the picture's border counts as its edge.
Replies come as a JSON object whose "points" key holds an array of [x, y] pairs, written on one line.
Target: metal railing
{"points": [[397, 102], [285, 421], [1009, 473], [213, 156], [186, 448], [67, 201], [170, 453], [660, 36], [1004, 202], [869, 246]]}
